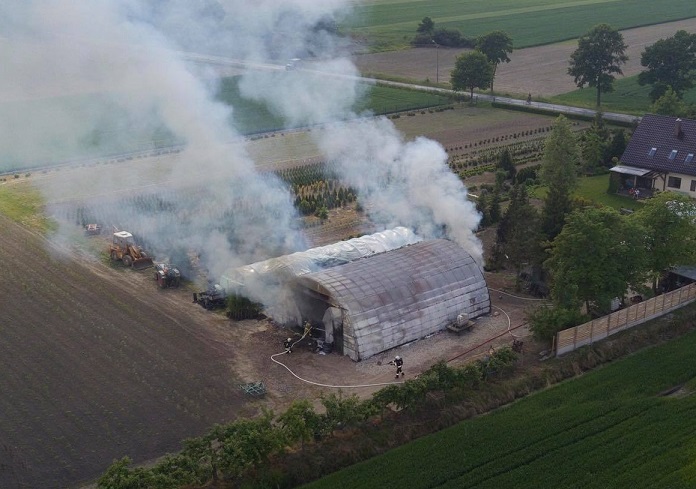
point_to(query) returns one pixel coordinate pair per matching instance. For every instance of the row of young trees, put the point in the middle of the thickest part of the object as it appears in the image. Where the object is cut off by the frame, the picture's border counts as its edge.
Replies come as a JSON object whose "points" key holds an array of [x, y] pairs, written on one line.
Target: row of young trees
{"points": [[599, 149], [588, 253], [244, 447]]}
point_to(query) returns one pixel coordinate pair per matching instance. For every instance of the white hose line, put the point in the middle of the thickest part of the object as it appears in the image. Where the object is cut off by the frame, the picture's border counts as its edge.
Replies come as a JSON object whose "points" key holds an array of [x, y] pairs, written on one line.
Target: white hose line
{"points": [[319, 384], [508, 320], [327, 385], [517, 296]]}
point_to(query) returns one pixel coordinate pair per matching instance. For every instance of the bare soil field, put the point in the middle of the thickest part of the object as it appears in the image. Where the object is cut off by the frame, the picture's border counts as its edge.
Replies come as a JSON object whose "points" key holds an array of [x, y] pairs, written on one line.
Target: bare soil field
{"points": [[541, 71], [92, 369]]}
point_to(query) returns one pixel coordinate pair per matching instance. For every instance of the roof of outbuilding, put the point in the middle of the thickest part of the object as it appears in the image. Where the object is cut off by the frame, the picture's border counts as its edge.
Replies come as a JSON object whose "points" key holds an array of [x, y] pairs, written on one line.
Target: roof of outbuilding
{"points": [[402, 295], [659, 132]]}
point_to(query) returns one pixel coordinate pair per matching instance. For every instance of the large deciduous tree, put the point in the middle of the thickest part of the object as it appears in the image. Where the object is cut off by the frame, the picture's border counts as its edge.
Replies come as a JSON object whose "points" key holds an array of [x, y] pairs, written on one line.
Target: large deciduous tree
{"points": [[496, 46], [597, 257], [471, 70], [559, 167], [599, 56], [670, 62], [670, 236], [426, 26]]}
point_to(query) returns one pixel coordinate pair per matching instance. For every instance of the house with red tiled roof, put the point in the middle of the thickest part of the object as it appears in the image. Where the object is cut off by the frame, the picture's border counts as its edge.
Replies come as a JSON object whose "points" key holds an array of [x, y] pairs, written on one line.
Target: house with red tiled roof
{"points": [[659, 156]]}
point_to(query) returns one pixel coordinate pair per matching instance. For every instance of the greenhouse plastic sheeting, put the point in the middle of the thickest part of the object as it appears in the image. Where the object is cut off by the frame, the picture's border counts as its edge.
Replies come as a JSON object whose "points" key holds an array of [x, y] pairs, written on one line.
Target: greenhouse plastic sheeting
{"points": [[393, 298], [315, 259]]}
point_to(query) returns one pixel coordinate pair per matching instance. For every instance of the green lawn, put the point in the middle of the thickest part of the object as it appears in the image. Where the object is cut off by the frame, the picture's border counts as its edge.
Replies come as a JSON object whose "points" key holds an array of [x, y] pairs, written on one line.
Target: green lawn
{"points": [[628, 97], [595, 189], [609, 428], [391, 24]]}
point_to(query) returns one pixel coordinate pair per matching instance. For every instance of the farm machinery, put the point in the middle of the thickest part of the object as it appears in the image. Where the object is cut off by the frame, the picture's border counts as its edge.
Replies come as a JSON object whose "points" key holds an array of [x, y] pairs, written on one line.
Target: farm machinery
{"points": [[93, 229], [212, 298], [167, 275], [124, 249]]}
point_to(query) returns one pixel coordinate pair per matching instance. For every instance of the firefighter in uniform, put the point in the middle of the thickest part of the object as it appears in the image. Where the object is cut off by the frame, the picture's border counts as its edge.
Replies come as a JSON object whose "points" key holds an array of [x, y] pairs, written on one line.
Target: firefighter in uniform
{"points": [[288, 345], [399, 362]]}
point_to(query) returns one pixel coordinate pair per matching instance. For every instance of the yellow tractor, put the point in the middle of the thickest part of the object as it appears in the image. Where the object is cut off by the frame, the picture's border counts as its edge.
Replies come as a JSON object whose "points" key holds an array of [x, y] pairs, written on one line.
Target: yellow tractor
{"points": [[125, 250]]}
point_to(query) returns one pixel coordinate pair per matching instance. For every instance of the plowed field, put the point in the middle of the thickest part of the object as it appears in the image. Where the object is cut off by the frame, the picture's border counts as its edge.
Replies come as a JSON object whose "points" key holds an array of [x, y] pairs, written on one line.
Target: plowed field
{"points": [[90, 371], [541, 71]]}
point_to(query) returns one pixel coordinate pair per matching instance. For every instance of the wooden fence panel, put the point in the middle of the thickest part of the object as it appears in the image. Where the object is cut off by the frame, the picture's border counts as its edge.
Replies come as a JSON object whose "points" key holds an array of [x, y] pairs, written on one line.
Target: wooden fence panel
{"points": [[631, 314], [565, 340], [650, 307], [597, 329], [601, 327]]}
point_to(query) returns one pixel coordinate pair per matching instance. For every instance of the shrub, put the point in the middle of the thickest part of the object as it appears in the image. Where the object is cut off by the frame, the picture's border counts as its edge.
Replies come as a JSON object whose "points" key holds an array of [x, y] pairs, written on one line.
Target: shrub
{"points": [[545, 322], [239, 307]]}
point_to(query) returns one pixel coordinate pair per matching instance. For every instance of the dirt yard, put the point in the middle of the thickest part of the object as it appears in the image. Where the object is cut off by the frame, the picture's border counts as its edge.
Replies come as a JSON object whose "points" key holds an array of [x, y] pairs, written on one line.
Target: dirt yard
{"points": [[541, 71]]}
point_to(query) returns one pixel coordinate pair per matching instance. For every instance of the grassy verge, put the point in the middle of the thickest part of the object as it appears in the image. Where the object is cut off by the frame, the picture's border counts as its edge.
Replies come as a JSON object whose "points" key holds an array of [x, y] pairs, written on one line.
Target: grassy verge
{"points": [[628, 97], [23, 203], [391, 24], [613, 427]]}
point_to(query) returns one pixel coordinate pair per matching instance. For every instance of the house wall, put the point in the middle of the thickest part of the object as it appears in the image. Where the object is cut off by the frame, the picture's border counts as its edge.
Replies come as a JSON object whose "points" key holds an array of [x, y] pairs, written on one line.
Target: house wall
{"points": [[687, 184]]}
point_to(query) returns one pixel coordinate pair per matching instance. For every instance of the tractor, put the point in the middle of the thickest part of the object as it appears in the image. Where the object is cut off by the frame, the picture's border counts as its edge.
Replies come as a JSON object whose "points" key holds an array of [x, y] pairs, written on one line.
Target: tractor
{"points": [[124, 249], [167, 275]]}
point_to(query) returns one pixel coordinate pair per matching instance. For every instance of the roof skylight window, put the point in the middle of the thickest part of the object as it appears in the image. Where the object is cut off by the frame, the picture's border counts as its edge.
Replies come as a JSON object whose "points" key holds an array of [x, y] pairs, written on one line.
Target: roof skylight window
{"points": [[652, 152], [689, 158], [673, 154]]}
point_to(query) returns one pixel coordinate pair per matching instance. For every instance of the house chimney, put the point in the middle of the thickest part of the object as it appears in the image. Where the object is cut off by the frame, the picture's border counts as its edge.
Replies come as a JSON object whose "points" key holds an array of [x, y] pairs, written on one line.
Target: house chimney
{"points": [[678, 133]]}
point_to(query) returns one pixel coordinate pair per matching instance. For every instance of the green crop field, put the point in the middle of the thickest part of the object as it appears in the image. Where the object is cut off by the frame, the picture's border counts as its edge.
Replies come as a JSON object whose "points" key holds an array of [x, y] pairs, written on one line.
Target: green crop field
{"points": [[253, 117], [613, 427], [117, 134], [391, 24], [628, 97]]}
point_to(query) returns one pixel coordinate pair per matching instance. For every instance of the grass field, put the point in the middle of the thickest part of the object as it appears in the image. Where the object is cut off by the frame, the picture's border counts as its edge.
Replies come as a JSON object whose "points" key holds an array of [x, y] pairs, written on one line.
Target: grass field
{"points": [[628, 97], [23, 203], [391, 24], [609, 428]]}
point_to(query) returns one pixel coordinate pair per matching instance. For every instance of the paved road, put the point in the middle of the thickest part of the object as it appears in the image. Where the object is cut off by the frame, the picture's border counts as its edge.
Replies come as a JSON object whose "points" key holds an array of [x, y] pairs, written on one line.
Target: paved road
{"points": [[559, 109]]}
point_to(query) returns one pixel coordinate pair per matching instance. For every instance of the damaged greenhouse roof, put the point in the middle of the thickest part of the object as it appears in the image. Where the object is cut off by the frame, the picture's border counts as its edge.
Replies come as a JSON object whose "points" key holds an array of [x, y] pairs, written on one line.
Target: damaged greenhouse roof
{"points": [[399, 296]]}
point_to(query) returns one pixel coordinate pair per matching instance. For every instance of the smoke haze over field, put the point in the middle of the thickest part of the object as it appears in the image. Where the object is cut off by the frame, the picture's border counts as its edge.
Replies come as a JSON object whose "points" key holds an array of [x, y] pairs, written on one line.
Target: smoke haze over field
{"points": [[77, 73]]}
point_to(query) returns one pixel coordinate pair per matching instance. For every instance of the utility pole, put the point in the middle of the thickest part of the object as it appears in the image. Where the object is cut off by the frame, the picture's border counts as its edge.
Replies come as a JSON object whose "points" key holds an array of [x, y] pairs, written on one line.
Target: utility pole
{"points": [[437, 61]]}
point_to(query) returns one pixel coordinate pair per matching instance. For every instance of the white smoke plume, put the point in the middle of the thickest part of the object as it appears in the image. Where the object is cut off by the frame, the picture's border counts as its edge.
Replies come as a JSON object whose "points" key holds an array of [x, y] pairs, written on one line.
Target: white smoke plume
{"points": [[80, 73]]}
